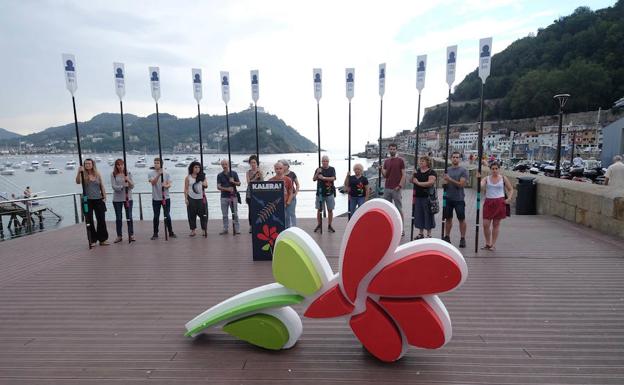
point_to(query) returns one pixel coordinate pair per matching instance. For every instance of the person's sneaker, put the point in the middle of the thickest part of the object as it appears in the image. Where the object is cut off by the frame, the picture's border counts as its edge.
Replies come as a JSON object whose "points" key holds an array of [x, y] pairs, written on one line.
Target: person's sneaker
{"points": [[462, 242], [330, 229], [249, 230], [154, 237], [172, 235], [420, 236], [117, 240], [447, 239], [317, 228], [236, 232], [223, 232]]}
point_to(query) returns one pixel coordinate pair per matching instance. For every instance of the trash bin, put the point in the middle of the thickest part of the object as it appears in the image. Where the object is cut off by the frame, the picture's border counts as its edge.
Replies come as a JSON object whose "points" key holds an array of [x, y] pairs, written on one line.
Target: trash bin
{"points": [[527, 196]]}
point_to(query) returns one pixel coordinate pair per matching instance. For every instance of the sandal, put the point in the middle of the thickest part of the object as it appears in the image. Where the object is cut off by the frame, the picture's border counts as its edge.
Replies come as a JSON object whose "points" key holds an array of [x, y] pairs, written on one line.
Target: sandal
{"points": [[419, 236], [486, 247], [117, 240]]}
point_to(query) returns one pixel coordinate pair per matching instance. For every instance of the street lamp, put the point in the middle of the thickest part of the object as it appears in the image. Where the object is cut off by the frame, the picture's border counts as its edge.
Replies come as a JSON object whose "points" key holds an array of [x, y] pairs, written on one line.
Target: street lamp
{"points": [[562, 98]]}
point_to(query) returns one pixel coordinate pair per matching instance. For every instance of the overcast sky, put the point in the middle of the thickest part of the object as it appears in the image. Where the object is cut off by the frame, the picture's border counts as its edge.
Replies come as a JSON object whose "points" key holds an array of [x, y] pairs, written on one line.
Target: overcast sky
{"points": [[284, 40]]}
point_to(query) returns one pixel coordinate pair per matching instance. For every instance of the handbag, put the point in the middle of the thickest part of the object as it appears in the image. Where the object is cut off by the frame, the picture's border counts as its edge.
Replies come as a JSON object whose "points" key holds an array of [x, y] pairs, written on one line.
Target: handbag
{"points": [[238, 197], [434, 204], [507, 207]]}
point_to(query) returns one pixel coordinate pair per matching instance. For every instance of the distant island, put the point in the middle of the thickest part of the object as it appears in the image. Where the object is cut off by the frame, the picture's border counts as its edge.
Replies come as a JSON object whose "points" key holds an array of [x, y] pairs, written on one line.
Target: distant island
{"points": [[103, 134]]}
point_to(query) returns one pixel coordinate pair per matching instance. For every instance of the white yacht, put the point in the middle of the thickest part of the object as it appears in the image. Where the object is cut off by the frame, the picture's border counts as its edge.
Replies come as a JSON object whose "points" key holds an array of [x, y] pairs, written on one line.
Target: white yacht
{"points": [[52, 171], [70, 165]]}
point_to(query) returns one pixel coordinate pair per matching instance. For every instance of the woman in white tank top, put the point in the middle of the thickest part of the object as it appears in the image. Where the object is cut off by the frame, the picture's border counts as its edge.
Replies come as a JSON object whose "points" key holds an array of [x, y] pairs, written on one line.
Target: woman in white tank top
{"points": [[496, 186]]}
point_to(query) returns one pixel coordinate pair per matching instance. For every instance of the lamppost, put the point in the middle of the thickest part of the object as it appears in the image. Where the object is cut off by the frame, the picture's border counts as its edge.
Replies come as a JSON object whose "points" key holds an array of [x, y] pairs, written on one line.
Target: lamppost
{"points": [[562, 98], [512, 135]]}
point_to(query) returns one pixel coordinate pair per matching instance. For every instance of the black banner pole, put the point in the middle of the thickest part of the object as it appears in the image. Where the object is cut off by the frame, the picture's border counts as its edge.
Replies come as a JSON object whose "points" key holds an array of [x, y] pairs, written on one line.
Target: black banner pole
{"points": [[123, 150], [162, 174], [227, 127], [380, 137], [201, 161], [85, 202], [349, 162], [318, 129], [480, 155], [446, 151], [415, 167], [257, 136]]}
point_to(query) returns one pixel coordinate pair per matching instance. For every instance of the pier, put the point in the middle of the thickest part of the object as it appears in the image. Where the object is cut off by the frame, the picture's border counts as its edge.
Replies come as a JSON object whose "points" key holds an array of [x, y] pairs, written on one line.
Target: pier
{"points": [[547, 307]]}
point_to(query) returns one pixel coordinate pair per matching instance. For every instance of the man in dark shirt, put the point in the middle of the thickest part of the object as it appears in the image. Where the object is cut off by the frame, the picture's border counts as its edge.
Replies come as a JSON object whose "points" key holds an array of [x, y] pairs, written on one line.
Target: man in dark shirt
{"points": [[227, 181], [324, 177], [394, 172]]}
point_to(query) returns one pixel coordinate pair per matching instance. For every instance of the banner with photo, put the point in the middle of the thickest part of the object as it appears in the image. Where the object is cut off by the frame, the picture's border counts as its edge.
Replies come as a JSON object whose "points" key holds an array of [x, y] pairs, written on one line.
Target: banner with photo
{"points": [[255, 85], [69, 65], [451, 61], [267, 215], [120, 79], [350, 79], [421, 69], [196, 74], [154, 73], [485, 56]]}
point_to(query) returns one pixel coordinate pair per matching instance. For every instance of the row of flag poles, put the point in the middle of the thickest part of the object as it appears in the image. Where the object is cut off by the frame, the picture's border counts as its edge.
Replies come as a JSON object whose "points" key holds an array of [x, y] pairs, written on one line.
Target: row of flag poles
{"points": [[485, 49]]}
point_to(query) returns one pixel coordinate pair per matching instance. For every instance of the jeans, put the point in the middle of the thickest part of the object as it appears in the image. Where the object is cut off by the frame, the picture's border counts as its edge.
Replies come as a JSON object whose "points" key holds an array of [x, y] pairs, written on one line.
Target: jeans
{"points": [[97, 207], [156, 205], [118, 217], [291, 218], [233, 204], [355, 202], [195, 208]]}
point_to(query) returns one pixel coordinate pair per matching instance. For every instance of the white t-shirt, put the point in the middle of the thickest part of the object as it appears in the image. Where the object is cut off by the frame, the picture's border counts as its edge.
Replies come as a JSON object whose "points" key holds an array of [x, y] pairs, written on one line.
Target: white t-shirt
{"points": [[615, 173]]}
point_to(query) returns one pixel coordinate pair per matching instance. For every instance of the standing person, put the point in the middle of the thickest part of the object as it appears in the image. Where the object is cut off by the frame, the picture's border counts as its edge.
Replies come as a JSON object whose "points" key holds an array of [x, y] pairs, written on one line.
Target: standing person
{"points": [[394, 172], [424, 180], [496, 186], [194, 184], [120, 182], [96, 198], [291, 217], [324, 177], [615, 173], [357, 187], [227, 181], [455, 179], [280, 174], [157, 197], [253, 175]]}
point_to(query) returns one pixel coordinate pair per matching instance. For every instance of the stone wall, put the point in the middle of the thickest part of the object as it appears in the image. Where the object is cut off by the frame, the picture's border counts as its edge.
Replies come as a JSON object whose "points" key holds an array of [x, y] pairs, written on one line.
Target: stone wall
{"points": [[595, 206]]}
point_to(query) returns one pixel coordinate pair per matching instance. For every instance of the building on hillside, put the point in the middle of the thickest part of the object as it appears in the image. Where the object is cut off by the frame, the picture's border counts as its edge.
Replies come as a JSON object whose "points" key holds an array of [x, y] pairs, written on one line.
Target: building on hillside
{"points": [[613, 142]]}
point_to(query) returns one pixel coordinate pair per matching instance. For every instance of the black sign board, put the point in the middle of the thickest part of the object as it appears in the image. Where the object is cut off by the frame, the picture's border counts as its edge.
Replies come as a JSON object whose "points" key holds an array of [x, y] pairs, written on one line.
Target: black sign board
{"points": [[267, 217]]}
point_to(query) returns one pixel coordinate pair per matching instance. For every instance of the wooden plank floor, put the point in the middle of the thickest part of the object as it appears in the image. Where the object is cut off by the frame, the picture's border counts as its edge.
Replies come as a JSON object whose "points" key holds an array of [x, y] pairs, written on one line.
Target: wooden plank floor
{"points": [[546, 308]]}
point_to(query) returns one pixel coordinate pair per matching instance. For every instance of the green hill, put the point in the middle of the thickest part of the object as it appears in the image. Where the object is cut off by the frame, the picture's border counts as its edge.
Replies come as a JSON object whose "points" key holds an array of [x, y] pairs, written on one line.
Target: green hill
{"points": [[99, 133], [581, 54]]}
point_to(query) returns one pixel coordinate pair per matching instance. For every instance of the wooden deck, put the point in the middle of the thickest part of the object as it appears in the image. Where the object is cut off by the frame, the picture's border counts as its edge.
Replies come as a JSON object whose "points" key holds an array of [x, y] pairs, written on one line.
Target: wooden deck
{"points": [[546, 308]]}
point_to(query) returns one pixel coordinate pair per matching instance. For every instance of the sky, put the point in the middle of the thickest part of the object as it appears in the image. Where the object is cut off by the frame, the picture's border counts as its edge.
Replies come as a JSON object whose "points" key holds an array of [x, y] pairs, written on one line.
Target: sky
{"points": [[284, 40]]}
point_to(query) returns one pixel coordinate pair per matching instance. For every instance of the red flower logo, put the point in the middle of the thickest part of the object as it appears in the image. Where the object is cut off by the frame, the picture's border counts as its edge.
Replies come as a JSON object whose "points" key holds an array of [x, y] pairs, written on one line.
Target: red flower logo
{"points": [[269, 235], [387, 291]]}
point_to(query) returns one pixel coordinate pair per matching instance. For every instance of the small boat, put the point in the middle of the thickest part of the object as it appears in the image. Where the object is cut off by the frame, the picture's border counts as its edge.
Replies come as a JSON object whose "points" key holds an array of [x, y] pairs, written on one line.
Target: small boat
{"points": [[347, 158], [70, 165], [191, 158], [111, 161], [46, 163], [30, 169], [98, 159], [140, 163], [52, 171], [8, 164], [7, 171], [295, 162], [180, 164], [35, 163], [174, 159], [17, 165]]}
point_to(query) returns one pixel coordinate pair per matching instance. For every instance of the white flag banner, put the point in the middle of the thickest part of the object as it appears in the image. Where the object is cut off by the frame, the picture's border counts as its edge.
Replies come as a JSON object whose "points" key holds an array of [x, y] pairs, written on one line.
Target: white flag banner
{"points": [[421, 69], [69, 64], [255, 85], [120, 79], [225, 86], [485, 58], [317, 75], [451, 60], [350, 79], [154, 73], [196, 74], [382, 79]]}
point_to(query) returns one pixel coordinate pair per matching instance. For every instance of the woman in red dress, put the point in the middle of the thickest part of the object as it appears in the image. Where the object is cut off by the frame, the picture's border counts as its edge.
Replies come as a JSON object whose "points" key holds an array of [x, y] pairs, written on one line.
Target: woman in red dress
{"points": [[498, 193]]}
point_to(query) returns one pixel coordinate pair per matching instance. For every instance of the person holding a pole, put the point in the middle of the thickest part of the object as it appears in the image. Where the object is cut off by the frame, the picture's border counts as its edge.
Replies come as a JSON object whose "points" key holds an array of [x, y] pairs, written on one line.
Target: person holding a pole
{"points": [[393, 171], [357, 187], [455, 179], [96, 200], [194, 185], [122, 185], [161, 183], [254, 174], [227, 181], [324, 177], [424, 180]]}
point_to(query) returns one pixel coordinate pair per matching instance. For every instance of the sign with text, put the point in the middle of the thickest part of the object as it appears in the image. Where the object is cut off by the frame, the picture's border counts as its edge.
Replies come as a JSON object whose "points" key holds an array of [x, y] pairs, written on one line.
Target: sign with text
{"points": [[485, 58], [267, 217], [350, 79], [154, 73], [421, 69], [69, 65], [196, 74], [255, 85], [120, 79], [451, 61], [225, 86], [317, 75]]}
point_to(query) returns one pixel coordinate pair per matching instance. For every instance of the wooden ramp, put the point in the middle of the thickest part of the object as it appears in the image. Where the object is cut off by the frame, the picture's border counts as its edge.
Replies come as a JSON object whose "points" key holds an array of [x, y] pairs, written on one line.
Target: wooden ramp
{"points": [[546, 308]]}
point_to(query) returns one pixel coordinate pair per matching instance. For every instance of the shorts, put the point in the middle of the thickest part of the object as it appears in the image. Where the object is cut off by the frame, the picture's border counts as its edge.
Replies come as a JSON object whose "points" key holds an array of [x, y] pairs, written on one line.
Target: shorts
{"points": [[328, 201], [494, 208], [458, 206], [394, 196]]}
